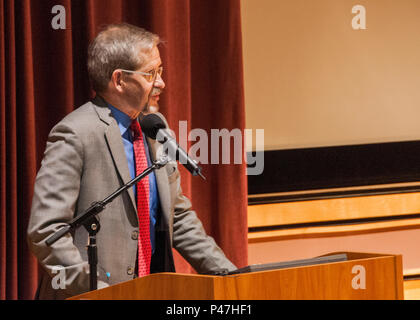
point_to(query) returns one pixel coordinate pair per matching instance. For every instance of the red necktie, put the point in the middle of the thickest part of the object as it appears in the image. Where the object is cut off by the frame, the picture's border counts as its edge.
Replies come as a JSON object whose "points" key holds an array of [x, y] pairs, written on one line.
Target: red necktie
{"points": [[145, 248]]}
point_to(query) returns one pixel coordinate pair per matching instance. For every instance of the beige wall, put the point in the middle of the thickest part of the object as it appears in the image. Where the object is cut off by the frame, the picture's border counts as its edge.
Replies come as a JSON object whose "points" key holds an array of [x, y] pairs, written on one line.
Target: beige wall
{"points": [[311, 80], [404, 242]]}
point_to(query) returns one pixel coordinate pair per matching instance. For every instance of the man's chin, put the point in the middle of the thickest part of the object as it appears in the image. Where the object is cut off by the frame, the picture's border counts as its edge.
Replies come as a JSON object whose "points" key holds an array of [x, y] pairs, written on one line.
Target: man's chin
{"points": [[152, 107]]}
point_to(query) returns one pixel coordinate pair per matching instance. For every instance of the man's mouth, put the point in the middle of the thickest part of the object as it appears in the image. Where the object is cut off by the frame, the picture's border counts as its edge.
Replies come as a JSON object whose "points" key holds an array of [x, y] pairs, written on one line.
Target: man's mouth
{"points": [[155, 94]]}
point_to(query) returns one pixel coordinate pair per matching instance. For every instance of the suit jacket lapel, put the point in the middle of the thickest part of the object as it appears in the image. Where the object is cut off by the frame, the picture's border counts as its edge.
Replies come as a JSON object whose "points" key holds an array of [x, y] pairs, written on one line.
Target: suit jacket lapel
{"points": [[162, 181], [116, 147], [115, 144]]}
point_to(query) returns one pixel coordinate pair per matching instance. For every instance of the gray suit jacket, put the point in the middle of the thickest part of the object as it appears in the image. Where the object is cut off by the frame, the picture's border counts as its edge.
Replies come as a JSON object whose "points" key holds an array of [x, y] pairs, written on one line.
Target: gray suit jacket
{"points": [[84, 161]]}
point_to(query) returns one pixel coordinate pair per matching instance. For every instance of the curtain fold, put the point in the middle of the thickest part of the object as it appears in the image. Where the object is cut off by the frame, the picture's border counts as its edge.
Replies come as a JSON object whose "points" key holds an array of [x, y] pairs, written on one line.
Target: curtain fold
{"points": [[43, 77]]}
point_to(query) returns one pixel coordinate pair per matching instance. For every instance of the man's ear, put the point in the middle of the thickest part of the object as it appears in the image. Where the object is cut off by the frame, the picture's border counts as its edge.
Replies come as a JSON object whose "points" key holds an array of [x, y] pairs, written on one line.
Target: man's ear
{"points": [[117, 80]]}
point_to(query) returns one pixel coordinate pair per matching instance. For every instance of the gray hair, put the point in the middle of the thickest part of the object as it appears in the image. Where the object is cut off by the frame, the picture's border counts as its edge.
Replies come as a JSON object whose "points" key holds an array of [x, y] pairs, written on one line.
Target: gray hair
{"points": [[117, 47]]}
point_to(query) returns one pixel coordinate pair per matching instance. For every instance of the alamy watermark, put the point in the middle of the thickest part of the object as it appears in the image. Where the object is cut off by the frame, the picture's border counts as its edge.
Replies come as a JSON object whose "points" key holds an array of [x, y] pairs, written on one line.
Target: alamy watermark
{"points": [[359, 20], [59, 280], [359, 280], [222, 146], [59, 20]]}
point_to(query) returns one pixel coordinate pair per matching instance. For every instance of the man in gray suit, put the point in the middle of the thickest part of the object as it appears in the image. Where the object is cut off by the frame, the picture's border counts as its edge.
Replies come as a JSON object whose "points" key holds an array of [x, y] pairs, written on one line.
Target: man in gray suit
{"points": [[89, 154]]}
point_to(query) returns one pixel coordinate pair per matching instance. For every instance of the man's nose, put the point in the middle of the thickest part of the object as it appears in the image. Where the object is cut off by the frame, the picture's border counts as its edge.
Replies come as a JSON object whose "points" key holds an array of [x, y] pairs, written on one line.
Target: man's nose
{"points": [[159, 82]]}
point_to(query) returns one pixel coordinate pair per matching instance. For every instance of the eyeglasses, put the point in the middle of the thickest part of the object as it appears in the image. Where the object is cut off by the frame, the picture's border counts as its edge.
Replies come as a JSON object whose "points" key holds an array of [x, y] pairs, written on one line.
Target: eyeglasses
{"points": [[149, 76]]}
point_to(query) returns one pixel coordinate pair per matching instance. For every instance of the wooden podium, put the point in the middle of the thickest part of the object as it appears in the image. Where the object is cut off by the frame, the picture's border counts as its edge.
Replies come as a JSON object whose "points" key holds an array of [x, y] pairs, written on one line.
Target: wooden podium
{"points": [[362, 276]]}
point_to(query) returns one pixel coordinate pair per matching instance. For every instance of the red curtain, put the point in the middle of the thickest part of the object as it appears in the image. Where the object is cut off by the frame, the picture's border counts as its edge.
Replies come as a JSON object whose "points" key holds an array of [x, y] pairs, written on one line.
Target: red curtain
{"points": [[43, 76]]}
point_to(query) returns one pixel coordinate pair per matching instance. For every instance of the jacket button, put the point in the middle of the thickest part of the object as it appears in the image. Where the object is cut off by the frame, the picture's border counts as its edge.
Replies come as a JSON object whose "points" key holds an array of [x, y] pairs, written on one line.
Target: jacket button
{"points": [[130, 271], [135, 235]]}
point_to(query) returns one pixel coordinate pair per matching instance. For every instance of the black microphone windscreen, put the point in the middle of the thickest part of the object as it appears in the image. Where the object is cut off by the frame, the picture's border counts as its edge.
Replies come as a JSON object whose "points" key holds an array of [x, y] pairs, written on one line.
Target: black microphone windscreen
{"points": [[151, 124]]}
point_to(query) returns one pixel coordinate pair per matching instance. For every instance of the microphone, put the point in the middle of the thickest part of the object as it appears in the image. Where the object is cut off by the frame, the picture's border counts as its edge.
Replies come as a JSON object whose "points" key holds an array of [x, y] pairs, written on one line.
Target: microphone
{"points": [[154, 127]]}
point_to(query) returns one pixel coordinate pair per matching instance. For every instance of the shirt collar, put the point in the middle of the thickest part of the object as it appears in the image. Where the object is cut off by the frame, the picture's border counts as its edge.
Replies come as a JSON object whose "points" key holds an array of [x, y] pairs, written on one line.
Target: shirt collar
{"points": [[123, 120]]}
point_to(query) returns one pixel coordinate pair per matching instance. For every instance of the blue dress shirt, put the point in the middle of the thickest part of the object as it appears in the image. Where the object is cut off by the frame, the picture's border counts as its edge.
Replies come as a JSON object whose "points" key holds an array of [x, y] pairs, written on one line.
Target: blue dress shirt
{"points": [[124, 122]]}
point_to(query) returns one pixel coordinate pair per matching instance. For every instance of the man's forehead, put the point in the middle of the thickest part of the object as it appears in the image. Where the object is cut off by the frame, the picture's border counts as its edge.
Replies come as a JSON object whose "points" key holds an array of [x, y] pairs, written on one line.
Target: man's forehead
{"points": [[151, 57]]}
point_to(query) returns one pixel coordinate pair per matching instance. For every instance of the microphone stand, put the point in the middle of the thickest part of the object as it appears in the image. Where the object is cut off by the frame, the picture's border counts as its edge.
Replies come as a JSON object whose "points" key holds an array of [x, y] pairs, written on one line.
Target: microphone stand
{"points": [[91, 223]]}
